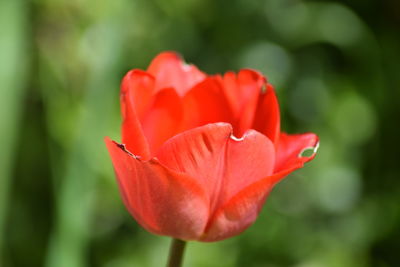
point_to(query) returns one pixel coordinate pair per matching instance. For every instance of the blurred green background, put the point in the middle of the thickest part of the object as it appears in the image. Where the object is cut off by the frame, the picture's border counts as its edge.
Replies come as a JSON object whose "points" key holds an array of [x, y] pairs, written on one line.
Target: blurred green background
{"points": [[335, 66]]}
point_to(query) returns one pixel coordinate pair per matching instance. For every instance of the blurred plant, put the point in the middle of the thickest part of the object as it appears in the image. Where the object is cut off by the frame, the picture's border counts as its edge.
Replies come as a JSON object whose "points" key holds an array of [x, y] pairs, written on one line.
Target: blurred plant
{"points": [[13, 75]]}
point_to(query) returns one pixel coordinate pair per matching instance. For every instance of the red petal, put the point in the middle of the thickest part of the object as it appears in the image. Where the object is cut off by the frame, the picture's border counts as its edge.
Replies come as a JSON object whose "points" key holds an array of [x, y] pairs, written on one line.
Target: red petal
{"points": [[137, 87], [223, 165], [136, 92], [241, 211], [267, 118], [205, 103], [290, 148], [242, 92], [162, 201], [171, 71], [163, 118], [237, 214]]}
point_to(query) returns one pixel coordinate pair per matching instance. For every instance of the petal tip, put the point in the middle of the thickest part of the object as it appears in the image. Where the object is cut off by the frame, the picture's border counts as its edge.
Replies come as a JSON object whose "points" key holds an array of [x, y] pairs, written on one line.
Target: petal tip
{"points": [[167, 56], [305, 152]]}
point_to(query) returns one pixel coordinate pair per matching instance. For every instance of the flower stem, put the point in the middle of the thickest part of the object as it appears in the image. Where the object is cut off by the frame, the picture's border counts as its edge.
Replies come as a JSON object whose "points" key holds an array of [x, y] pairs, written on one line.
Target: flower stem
{"points": [[176, 253]]}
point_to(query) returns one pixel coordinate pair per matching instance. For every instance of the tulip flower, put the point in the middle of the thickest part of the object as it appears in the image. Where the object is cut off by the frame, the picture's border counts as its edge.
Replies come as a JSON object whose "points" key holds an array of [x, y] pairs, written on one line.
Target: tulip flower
{"points": [[200, 153]]}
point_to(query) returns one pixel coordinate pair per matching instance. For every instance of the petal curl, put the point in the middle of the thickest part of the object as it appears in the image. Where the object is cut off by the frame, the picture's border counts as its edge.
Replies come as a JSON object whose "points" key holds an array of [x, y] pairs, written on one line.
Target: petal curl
{"points": [[223, 164], [163, 118], [137, 89], [171, 71], [290, 148], [267, 117], [162, 201], [242, 92]]}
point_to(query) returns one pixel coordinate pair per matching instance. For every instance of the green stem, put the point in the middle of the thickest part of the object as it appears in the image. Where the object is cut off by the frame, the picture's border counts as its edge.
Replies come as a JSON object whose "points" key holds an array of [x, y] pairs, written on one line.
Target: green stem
{"points": [[176, 253]]}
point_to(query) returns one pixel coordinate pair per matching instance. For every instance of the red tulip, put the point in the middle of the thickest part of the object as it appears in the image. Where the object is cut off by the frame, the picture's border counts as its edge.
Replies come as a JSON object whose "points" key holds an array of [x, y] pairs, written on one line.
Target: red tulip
{"points": [[200, 153]]}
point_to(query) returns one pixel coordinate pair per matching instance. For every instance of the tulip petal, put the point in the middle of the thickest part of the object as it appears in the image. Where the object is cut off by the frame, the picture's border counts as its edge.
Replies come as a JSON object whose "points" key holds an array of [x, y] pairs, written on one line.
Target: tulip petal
{"points": [[219, 161], [162, 201], [204, 104], [289, 151], [242, 92], [238, 213], [172, 71], [163, 118], [138, 86], [267, 118], [137, 89]]}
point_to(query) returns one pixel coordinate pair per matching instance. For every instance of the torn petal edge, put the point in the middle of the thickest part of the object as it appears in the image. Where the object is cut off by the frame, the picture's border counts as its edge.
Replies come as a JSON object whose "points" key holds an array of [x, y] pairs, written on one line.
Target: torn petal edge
{"points": [[187, 184]]}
